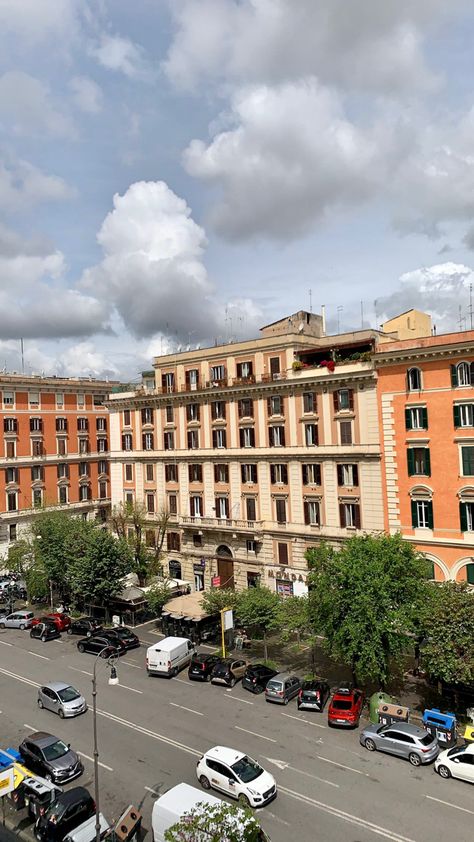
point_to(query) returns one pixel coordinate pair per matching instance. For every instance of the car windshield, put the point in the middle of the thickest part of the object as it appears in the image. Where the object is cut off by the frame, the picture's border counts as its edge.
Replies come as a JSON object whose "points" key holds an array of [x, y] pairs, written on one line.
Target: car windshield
{"points": [[55, 750], [68, 694], [274, 685], [247, 769], [427, 740], [453, 752], [341, 704]]}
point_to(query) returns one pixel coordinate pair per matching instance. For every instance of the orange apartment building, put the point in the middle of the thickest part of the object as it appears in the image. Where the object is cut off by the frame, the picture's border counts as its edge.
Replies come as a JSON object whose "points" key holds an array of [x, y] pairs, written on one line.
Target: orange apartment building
{"points": [[54, 449]]}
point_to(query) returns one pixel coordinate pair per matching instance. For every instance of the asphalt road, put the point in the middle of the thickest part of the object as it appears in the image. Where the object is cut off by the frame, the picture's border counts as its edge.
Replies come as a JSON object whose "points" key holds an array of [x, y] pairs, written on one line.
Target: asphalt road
{"points": [[152, 732]]}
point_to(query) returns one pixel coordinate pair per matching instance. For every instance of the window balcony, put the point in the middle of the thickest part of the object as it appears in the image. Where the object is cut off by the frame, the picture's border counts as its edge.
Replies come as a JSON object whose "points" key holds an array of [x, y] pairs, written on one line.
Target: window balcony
{"points": [[221, 523]]}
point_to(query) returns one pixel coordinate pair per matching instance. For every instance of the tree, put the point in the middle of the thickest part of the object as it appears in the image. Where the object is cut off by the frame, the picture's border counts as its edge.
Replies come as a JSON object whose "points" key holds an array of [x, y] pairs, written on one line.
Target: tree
{"points": [[96, 573], [217, 599], [20, 557], [260, 608], [448, 651], [294, 615], [365, 598], [129, 521], [51, 530], [216, 823], [158, 596]]}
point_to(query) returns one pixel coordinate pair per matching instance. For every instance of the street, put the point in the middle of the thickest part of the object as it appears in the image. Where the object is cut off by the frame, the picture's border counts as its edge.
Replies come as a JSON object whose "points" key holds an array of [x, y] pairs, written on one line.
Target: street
{"points": [[152, 731]]}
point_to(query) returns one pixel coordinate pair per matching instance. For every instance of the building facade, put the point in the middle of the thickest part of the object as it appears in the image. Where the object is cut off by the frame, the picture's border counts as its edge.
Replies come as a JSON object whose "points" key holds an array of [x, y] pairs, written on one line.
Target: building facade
{"points": [[54, 449], [257, 449]]}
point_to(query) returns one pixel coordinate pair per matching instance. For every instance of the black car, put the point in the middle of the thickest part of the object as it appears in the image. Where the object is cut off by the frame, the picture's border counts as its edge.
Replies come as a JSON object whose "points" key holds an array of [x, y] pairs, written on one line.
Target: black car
{"points": [[45, 631], [70, 809], [313, 695], [256, 677], [201, 666], [228, 671], [98, 643], [50, 757], [85, 626], [128, 638]]}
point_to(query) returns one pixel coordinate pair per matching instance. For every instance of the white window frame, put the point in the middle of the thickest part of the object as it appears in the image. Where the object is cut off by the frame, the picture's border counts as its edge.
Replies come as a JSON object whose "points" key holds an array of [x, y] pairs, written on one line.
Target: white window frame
{"points": [[349, 515], [195, 505], [247, 436], [148, 441], [466, 410], [220, 435], [310, 435], [463, 374], [217, 372], [33, 400], [314, 512], [422, 508], [63, 490], [410, 376], [416, 417], [8, 399], [81, 400], [59, 400], [347, 474]]}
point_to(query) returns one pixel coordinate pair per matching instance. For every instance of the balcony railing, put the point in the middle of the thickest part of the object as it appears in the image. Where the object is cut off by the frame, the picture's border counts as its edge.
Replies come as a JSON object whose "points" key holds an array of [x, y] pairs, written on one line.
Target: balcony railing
{"points": [[220, 523]]}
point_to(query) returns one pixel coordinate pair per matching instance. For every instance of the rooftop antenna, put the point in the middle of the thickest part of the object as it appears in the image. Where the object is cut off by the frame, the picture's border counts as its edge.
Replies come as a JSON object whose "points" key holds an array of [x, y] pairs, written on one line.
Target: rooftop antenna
{"points": [[339, 311], [461, 318], [310, 300], [362, 315], [376, 314], [470, 305], [23, 356]]}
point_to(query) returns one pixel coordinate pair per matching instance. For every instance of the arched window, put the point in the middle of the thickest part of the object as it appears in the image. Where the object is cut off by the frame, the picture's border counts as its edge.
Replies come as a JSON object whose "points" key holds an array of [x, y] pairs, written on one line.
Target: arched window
{"points": [[464, 374], [414, 379], [421, 507], [175, 569]]}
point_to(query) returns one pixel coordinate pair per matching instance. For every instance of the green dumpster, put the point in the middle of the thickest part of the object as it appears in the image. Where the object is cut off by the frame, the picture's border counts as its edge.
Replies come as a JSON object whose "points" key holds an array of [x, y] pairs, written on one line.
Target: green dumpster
{"points": [[374, 702]]}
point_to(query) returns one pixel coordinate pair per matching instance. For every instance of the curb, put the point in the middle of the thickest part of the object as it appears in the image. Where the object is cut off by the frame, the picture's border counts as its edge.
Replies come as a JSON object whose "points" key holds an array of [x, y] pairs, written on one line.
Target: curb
{"points": [[20, 832]]}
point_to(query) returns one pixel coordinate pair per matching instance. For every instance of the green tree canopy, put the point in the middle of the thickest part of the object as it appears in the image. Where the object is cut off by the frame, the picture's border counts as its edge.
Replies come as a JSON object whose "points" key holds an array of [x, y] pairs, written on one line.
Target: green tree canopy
{"points": [[216, 599], [51, 531], [158, 595], [96, 572], [448, 650], [294, 615], [365, 598], [216, 823], [130, 521], [20, 556], [260, 608]]}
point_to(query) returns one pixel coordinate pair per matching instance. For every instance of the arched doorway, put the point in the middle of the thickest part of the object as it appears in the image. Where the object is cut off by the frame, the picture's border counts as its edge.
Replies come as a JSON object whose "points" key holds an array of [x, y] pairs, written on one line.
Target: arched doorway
{"points": [[175, 569], [225, 566]]}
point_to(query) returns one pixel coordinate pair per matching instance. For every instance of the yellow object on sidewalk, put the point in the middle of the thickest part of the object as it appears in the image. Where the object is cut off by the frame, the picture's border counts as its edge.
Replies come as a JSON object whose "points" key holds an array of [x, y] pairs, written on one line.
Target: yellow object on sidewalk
{"points": [[469, 732]]}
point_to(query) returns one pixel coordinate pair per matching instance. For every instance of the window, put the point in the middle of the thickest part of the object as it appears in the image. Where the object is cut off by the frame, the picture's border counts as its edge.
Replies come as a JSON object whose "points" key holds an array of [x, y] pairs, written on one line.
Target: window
{"points": [[414, 380], [8, 399], [280, 509], [279, 474], [63, 495], [311, 435], [217, 373], [171, 472], [248, 473], [82, 425], [148, 441], [282, 552], [37, 497], [466, 514], [470, 581], [222, 507], [98, 400], [168, 441], [192, 412], [84, 493], [197, 540], [126, 418], [467, 458], [195, 473], [173, 541], [37, 448], [218, 411], [251, 508], [245, 408], [101, 425], [422, 514], [244, 370], [61, 425], [37, 473], [147, 415], [12, 501], [10, 448], [11, 475], [419, 463], [345, 431], [101, 445], [463, 415], [192, 379], [276, 436], [10, 425], [36, 425], [309, 402], [416, 418], [347, 475], [275, 405], [193, 439], [167, 382], [462, 374], [83, 469], [83, 445], [62, 471], [221, 473], [62, 447], [173, 504], [311, 513], [127, 443], [149, 472], [219, 439], [195, 505], [169, 413], [251, 545], [150, 503], [12, 532], [81, 400], [175, 569], [311, 473], [128, 468], [150, 538], [128, 498], [343, 399], [59, 400], [33, 400], [349, 514], [102, 467], [247, 437]]}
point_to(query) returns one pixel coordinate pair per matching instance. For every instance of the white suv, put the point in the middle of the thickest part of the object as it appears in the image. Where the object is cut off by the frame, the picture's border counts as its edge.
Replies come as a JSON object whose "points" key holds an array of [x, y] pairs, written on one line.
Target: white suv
{"points": [[237, 775]]}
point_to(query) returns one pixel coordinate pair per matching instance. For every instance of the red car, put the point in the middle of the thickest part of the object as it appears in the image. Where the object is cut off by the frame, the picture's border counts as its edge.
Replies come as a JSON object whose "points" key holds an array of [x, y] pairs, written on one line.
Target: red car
{"points": [[346, 706], [61, 621]]}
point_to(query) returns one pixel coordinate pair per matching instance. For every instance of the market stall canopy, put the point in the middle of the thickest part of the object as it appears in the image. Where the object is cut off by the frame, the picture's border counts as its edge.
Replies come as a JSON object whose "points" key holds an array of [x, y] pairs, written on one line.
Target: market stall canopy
{"points": [[189, 605]]}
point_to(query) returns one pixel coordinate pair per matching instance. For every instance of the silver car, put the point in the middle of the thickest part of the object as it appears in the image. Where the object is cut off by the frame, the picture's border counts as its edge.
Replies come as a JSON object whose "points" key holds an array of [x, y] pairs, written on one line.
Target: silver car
{"points": [[17, 620], [282, 687], [62, 699], [403, 740]]}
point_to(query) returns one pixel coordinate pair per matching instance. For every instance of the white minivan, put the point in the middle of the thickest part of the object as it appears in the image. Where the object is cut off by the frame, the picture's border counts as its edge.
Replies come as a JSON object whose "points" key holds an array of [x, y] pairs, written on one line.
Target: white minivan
{"points": [[169, 656]]}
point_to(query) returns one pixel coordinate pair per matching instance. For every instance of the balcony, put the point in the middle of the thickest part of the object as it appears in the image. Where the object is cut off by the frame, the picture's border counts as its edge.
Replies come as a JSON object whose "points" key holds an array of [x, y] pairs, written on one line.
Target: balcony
{"points": [[220, 523]]}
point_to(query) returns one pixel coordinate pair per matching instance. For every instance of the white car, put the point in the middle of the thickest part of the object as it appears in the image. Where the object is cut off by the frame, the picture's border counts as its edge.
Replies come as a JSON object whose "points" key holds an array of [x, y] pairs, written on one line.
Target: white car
{"points": [[237, 775], [457, 762]]}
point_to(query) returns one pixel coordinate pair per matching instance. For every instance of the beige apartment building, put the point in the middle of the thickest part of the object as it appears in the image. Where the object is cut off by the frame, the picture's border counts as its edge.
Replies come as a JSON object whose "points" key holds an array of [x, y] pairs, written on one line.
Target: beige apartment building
{"points": [[258, 449]]}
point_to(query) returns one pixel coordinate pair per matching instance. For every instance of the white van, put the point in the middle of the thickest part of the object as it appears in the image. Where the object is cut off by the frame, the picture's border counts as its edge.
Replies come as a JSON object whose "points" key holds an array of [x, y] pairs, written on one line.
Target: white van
{"points": [[169, 656], [86, 831]]}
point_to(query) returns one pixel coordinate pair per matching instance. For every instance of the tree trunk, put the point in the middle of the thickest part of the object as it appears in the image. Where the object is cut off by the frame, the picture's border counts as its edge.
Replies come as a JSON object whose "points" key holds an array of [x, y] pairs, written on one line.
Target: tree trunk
{"points": [[265, 650]]}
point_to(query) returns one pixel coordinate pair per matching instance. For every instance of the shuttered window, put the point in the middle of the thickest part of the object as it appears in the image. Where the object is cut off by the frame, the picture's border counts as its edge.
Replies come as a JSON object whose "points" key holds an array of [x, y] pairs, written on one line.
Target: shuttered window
{"points": [[416, 418], [418, 461], [422, 514], [280, 509], [467, 454]]}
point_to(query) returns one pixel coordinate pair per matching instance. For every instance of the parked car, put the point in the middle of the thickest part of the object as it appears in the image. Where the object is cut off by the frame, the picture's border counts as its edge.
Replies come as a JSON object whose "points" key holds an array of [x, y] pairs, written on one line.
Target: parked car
{"points": [[256, 677], [401, 739], [61, 621], [313, 695], [228, 671], [62, 699], [169, 655], [70, 809], [105, 645], [49, 757], [237, 775], [345, 706], [201, 666], [282, 687], [45, 631], [17, 620], [85, 626], [457, 762], [128, 638]]}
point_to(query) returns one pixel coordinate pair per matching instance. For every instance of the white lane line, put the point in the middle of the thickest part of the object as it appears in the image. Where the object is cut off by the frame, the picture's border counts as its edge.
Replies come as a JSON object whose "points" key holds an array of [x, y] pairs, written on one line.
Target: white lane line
{"points": [[125, 687], [283, 765], [104, 765], [20, 678], [299, 719], [182, 681], [129, 664], [30, 727], [238, 699], [254, 734], [153, 791], [148, 733], [448, 804], [84, 672], [276, 818], [4, 643], [43, 657], [197, 712], [341, 765], [348, 817]]}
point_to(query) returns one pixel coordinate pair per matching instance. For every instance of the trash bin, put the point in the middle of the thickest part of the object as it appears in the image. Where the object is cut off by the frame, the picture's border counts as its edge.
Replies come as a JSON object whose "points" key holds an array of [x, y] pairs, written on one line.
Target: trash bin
{"points": [[389, 713], [469, 733], [442, 726], [375, 700]]}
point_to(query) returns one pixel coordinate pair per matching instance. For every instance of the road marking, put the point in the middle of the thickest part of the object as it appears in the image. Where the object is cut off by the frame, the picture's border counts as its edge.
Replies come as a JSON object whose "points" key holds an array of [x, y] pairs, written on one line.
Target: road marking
{"points": [[448, 804], [148, 733], [129, 664], [349, 768], [254, 734], [30, 727], [153, 791], [348, 817], [104, 765], [283, 765], [276, 818], [84, 672], [299, 719], [20, 678], [38, 656], [238, 699], [125, 687], [4, 643], [197, 712]]}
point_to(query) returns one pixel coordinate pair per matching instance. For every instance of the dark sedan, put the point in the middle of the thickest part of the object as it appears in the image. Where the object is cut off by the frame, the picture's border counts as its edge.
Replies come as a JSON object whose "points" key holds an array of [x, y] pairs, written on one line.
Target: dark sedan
{"points": [[106, 646], [128, 638], [85, 626], [45, 631], [50, 757], [201, 666], [256, 677]]}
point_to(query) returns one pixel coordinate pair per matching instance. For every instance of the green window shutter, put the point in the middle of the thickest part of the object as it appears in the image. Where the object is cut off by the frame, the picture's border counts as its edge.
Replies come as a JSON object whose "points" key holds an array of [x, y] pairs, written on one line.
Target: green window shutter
{"points": [[463, 517], [454, 375], [430, 515], [470, 573], [408, 424], [414, 514], [411, 461], [457, 415], [425, 418], [467, 461], [427, 462]]}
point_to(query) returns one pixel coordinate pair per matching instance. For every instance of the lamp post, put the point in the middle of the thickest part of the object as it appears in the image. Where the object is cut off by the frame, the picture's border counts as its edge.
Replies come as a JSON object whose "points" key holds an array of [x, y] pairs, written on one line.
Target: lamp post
{"points": [[113, 679]]}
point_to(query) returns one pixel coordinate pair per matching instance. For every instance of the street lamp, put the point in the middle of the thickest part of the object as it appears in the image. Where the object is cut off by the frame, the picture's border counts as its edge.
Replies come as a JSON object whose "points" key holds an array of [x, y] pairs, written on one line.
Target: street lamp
{"points": [[113, 680]]}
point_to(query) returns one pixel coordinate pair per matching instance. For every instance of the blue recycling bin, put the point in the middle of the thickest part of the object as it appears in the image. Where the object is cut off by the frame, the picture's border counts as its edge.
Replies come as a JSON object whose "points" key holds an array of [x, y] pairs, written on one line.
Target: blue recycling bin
{"points": [[442, 726], [6, 757]]}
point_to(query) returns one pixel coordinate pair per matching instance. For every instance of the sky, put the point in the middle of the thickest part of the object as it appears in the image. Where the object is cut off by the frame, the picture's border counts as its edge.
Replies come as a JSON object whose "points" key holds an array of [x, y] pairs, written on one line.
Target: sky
{"points": [[177, 173]]}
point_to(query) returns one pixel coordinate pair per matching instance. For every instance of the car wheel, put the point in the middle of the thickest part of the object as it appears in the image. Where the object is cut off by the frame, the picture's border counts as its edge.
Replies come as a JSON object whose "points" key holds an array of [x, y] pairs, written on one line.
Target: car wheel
{"points": [[80, 646], [243, 800], [232, 682], [285, 700], [444, 772], [370, 744], [88, 634], [61, 713], [208, 677], [205, 782], [414, 759], [2, 625], [104, 654], [40, 704], [22, 627], [69, 631], [44, 639]]}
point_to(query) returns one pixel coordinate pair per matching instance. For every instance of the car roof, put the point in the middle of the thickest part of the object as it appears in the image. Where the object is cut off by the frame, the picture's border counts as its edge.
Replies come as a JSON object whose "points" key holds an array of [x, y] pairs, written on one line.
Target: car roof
{"points": [[42, 738], [282, 676], [259, 667], [56, 685], [69, 796], [408, 728], [314, 682], [227, 755]]}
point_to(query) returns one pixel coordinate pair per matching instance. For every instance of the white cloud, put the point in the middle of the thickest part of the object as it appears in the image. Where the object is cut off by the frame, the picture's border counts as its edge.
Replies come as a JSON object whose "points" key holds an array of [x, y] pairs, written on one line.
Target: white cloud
{"points": [[87, 94], [22, 186], [121, 55], [37, 20], [27, 107]]}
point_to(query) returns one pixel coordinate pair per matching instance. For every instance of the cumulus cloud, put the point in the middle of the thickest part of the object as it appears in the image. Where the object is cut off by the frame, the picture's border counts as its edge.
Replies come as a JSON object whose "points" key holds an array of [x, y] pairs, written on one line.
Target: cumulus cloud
{"points": [[34, 21], [27, 107], [23, 186], [87, 94], [121, 55]]}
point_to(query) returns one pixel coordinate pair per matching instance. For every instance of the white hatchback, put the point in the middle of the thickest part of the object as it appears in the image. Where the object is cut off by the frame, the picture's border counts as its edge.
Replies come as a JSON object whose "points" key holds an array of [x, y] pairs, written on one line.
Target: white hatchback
{"points": [[236, 774], [456, 762]]}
